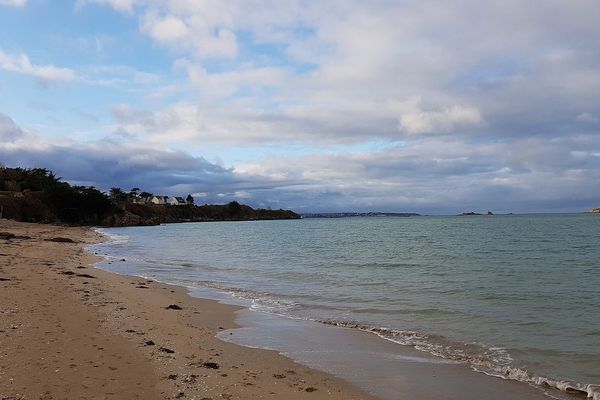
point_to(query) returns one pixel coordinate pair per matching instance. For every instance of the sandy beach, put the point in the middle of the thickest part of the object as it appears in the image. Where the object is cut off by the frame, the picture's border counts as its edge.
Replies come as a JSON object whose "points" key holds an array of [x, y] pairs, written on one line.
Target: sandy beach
{"points": [[69, 331]]}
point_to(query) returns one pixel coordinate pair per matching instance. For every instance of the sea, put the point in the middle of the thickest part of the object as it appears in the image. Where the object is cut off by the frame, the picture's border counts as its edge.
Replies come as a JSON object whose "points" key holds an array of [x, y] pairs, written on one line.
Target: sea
{"points": [[511, 296]]}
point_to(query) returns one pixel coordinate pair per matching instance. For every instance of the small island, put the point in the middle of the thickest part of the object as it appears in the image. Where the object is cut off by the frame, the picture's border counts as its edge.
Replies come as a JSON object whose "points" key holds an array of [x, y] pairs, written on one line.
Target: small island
{"points": [[593, 211], [468, 213]]}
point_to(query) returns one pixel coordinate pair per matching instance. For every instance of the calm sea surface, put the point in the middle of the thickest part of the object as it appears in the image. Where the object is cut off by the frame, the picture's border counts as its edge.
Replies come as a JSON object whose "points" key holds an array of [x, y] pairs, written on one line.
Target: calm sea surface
{"points": [[513, 295]]}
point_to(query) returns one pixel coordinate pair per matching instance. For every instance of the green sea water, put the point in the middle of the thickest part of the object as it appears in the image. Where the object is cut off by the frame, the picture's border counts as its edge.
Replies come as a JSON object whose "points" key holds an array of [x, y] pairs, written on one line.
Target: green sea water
{"points": [[511, 295]]}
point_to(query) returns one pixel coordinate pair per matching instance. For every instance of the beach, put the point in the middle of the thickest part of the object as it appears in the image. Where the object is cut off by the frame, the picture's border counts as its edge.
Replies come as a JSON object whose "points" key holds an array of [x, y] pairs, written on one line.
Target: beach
{"points": [[70, 331], [87, 316]]}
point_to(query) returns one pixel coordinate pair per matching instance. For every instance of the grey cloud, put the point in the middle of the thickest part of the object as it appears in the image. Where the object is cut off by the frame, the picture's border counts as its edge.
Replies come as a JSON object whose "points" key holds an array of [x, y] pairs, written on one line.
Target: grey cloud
{"points": [[105, 164], [453, 177], [9, 131], [446, 176]]}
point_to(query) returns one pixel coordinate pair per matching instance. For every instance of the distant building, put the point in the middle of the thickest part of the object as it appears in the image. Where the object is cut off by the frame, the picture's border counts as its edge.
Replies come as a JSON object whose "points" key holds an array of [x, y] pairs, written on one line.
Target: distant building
{"points": [[178, 201], [159, 199]]}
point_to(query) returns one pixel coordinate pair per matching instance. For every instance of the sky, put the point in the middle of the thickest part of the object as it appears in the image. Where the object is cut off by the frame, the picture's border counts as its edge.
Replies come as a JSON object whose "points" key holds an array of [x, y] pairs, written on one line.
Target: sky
{"points": [[435, 107]]}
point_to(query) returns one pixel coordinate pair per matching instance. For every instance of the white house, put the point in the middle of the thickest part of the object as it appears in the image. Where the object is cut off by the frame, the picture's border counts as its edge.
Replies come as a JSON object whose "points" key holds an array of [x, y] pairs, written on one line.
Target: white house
{"points": [[159, 199], [178, 201]]}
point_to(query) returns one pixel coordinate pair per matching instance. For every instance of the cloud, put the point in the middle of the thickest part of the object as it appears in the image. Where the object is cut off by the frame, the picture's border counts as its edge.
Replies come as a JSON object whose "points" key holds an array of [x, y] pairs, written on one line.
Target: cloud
{"points": [[587, 118], [13, 3], [167, 29], [431, 174], [9, 131], [21, 64], [419, 105], [328, 73], [194, 34], [440, 175], [119, 5], [119, 77], [104, 164], [444, 121]]}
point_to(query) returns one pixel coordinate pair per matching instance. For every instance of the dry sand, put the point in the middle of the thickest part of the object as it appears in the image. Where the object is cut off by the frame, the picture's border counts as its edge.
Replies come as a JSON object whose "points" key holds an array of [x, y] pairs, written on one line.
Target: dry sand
{"points": [[68, 331]]}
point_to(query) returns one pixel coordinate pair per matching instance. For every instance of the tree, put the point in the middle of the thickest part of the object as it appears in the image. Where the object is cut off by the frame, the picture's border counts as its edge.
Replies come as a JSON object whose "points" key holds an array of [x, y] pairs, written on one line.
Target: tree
{"points": [[234, 208], [117, 194], [134, 193], [189, 199]]}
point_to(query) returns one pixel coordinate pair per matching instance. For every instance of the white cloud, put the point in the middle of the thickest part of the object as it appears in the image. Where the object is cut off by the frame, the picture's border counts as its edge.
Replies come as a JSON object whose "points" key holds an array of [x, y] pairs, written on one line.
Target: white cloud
{"points": [[21, 64], [192, 33], [13, 3], [446, 120], [167, 29]]}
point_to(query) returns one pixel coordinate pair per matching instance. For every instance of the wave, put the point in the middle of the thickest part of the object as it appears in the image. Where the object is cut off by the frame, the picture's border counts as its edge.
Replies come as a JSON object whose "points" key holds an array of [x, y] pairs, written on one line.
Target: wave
{"points": [[259, 301], [113, 238], [493, 361]]}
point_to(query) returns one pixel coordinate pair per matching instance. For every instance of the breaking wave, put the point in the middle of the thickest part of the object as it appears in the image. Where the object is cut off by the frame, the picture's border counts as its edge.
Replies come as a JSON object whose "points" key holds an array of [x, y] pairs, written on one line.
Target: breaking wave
{"points": [[493, 361]]}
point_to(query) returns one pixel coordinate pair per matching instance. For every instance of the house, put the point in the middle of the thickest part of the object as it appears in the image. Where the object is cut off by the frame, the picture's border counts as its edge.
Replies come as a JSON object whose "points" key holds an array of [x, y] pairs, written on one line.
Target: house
{"points": [[159, 199], [178, 201]]}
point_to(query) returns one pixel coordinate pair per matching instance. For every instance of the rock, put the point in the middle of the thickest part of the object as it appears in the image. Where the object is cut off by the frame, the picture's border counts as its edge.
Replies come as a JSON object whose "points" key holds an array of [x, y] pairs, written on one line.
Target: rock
{"points": [[149, 343], [6, 235], [310, 389], [86, 276], [4, 279], [173, 307], [211, 365], [166, 350], [9, 236], [61, 240], [172, 377]]}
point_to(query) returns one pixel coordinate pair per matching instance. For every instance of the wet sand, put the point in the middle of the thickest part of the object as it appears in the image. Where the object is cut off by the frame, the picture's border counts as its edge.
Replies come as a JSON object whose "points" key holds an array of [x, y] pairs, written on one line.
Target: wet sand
{"points": [[69, 331]]}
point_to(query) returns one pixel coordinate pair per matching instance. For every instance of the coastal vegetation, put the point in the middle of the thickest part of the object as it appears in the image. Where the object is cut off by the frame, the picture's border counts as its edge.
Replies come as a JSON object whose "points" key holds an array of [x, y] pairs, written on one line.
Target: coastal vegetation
{"points": [[38, 195]]}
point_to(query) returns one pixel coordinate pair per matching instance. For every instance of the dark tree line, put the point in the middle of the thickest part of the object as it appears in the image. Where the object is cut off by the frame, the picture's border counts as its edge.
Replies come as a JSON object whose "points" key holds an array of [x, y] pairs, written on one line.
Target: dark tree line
{"points": [[38, 195]]}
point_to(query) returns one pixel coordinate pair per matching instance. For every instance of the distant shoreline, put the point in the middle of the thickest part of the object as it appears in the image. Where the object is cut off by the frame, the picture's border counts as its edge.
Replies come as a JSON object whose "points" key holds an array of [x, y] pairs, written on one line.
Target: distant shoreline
{"points": [[358, 214]]}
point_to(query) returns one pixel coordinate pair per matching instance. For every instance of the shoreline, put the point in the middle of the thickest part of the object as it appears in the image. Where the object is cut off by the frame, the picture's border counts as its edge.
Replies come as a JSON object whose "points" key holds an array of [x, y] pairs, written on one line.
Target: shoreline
{"points": [[90, 333]]}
